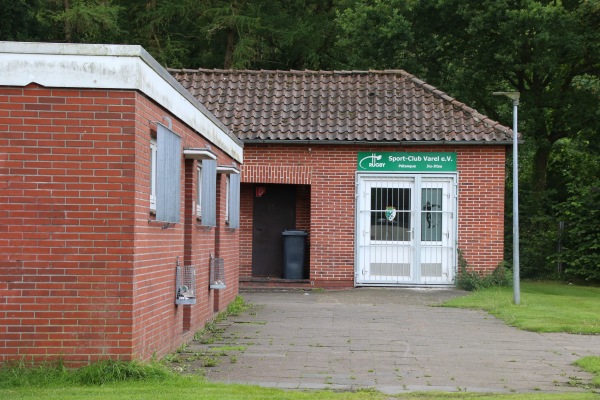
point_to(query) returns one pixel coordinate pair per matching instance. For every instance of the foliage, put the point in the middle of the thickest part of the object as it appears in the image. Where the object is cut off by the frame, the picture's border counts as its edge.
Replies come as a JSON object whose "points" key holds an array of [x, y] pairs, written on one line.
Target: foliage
{"points": [[577, 199], [255, 34], [374, 33], [582, 248], [539, 231], [80, 21], [468, 279], [19, 20], [544, 306]]}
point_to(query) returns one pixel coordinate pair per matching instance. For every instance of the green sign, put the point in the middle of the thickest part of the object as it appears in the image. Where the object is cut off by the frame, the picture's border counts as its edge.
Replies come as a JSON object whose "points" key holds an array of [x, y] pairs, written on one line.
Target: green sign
{"points": [[406, 162]]}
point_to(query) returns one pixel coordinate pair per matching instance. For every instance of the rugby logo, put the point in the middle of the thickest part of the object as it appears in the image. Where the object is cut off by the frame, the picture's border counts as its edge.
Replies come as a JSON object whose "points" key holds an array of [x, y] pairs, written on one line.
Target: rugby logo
{"points": [[373, 163]]}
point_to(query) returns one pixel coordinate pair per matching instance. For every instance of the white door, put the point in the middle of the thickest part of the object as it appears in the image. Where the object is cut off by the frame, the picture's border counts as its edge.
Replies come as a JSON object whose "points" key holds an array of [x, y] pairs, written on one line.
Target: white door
{"points": [[436, 246], [405, 230]]}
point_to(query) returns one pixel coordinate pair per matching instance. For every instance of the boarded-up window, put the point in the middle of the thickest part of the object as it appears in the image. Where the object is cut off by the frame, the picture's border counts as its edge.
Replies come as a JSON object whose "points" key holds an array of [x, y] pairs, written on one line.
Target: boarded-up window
{"points": [[168, 168], [234, 200], [209, 193]]}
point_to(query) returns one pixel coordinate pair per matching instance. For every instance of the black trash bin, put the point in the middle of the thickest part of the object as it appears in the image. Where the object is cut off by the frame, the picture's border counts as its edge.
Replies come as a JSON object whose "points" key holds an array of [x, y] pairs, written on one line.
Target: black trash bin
{"points": [[294, 243]]}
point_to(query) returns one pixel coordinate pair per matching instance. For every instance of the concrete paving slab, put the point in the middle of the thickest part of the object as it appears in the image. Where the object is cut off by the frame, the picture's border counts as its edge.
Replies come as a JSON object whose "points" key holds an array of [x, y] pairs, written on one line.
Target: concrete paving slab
{"points": [[393, 340]]}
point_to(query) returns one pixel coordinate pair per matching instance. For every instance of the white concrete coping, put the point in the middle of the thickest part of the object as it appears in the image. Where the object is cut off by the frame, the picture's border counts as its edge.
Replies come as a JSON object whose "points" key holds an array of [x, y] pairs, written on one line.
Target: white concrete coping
{"points": [[199, 154], [227, 169], [102, 66]]}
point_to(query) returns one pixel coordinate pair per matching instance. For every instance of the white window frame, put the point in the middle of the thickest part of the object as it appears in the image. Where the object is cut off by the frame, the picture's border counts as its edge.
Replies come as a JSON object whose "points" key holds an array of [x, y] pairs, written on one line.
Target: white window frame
{"points": [[229, 171], [153, 156], [199, 190]]}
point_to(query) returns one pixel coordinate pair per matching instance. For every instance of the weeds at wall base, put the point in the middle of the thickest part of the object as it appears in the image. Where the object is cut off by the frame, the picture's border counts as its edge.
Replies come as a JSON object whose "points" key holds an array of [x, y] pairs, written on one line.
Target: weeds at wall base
{"points": [[470, 280], [22, 373]]}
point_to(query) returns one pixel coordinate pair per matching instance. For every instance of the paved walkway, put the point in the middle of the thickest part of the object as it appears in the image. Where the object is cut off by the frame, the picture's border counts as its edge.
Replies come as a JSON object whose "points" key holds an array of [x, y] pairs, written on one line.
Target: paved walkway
{"points": [[394, 341]]}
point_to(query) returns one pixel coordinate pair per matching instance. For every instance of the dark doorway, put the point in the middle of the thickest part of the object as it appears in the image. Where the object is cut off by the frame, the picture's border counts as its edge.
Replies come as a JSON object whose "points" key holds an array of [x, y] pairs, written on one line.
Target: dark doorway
{"points": [[274, 212]]}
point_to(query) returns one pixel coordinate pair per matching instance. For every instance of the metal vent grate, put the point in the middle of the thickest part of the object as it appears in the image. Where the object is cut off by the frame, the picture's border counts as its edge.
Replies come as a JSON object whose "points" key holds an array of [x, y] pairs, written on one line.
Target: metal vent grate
{"points": [[390, 269], [217, 273], [431, 269], [185, 284]]}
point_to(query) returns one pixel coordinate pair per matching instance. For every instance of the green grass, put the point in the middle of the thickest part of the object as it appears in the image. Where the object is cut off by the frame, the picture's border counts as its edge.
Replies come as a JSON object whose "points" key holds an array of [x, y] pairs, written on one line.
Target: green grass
{"points": [[592, 365], [132, 381], [545, 307], [191, 390]]}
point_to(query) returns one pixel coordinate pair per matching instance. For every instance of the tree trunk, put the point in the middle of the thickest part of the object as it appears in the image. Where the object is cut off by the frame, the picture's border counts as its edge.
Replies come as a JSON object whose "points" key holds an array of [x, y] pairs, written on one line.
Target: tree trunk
{"points": [[67, 24], [229, 50], [540, 166]]}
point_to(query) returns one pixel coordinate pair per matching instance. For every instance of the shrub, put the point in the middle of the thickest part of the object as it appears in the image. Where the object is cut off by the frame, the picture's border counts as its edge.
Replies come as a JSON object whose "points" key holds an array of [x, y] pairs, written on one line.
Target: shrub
{"points": [[582, 243], [467, 279]]}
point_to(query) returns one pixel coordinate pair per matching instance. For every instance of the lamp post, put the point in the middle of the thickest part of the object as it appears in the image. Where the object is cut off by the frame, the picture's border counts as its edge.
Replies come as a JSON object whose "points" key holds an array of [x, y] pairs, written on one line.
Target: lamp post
{"points": [[514, 96]]}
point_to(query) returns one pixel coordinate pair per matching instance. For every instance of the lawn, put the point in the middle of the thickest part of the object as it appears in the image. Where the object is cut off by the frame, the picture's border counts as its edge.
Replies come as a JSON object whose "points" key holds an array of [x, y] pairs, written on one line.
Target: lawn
{"points": [[192, 389], [545, 307]]}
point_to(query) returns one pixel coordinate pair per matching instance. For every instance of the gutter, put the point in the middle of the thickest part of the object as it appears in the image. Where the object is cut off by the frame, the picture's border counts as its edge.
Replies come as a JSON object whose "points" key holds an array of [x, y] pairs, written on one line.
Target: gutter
{"points": [[382, 143]]}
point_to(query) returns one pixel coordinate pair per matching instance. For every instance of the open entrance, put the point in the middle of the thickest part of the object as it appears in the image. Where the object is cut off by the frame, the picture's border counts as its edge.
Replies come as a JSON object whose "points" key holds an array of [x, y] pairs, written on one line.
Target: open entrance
{"points": [[406, 229], [274, 211]]}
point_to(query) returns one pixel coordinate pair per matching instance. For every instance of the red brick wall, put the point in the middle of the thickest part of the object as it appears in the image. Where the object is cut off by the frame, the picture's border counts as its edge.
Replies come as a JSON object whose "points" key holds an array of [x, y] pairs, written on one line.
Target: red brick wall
{"points": [[228, 249], [84, 271], [246, 216], [481, 205], [159, 325], [330, 171], [67, 205]]}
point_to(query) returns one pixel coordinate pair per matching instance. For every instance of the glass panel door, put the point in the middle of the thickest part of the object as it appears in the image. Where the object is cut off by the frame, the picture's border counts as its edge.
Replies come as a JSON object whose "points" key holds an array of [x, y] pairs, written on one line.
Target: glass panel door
{"points": [[405, 229], [437, 231], [386, 232]]}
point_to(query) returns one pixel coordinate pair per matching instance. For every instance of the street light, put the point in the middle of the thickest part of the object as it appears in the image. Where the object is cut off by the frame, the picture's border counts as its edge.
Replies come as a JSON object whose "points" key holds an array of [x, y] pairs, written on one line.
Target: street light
{"points": [[514, 96]]}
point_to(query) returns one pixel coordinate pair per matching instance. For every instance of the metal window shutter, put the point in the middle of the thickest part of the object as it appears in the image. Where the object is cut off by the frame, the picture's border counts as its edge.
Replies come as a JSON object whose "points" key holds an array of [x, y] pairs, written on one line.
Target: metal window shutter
{"points": [[209, 193], [168, 168], [234, 200]]}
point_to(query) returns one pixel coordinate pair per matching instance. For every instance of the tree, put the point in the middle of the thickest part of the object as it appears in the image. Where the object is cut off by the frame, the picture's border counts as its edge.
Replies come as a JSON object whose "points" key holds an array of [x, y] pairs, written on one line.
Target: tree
{"points": [[469, 49], [252, 34], [375, 34], [578, 209], [19, 20], [79, 21]]}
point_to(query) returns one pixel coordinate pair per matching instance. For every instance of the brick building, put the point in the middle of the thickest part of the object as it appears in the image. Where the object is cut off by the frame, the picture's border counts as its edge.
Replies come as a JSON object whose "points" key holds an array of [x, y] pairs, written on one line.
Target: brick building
{"points": [[119, 192], [389, 176]]}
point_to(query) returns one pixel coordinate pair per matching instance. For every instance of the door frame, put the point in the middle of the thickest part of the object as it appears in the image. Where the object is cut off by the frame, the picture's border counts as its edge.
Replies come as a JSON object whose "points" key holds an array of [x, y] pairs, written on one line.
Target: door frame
{"points": [[417, 176]]}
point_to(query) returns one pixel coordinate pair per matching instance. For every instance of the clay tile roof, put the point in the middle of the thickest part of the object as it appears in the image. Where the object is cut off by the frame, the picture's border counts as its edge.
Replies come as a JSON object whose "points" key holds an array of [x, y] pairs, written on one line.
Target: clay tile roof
{"points": [[372, 106]]}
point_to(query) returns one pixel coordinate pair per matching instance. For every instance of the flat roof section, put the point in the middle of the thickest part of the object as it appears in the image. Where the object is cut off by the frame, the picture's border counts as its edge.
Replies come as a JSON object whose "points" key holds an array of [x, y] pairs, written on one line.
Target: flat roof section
{"points": [[102, 66]]}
